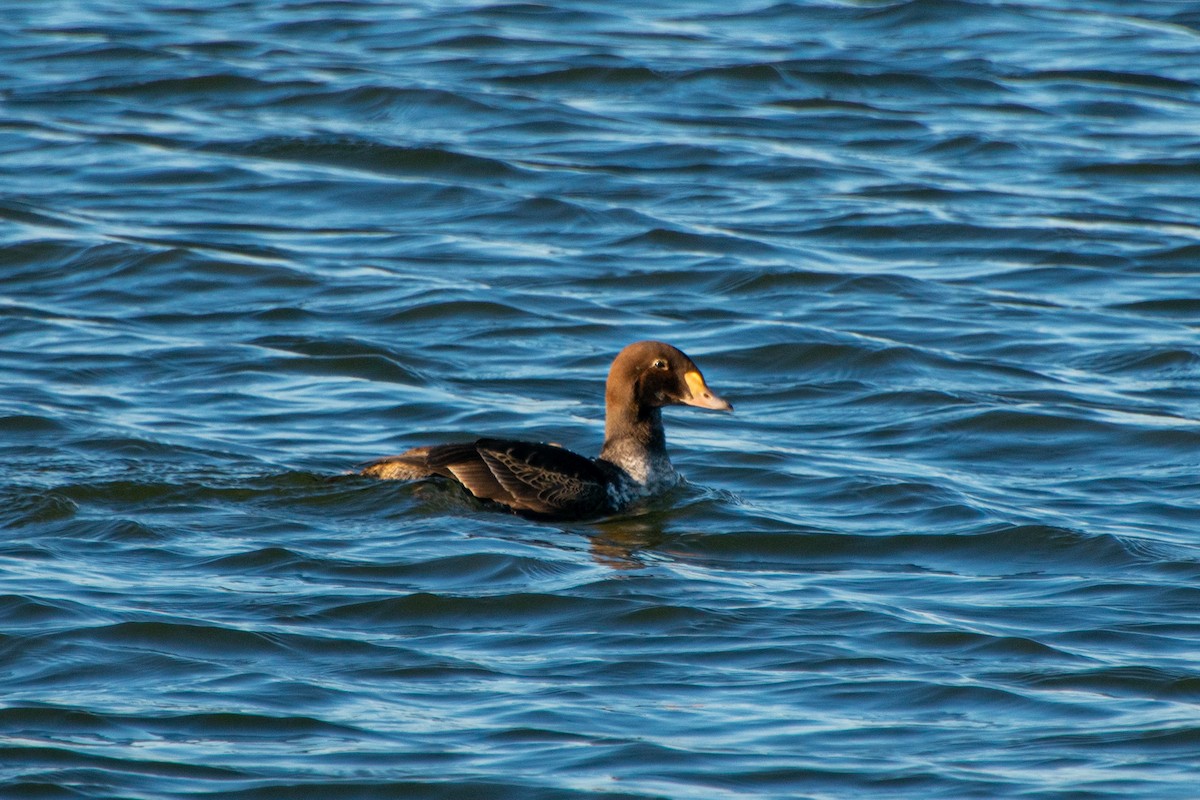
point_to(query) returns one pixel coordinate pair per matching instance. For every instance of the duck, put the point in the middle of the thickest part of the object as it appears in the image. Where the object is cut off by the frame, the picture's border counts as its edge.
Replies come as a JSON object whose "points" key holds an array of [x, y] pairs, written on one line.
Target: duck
{"points": [[542, 480]]}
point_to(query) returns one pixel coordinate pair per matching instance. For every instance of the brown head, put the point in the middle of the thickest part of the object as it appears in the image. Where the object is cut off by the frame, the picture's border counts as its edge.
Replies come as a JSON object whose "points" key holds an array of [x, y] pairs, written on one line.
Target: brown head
{"points": [[650, 375]]}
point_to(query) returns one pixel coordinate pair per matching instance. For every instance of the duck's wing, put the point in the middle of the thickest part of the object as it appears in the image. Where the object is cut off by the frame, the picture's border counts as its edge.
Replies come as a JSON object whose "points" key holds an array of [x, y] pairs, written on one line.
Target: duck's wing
{"points": [[537, 479]]}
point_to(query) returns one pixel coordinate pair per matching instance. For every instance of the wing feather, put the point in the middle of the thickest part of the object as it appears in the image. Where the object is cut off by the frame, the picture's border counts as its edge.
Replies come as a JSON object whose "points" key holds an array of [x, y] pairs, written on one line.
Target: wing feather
{"points": [[546, 479], [530, 478], [479, 480]]}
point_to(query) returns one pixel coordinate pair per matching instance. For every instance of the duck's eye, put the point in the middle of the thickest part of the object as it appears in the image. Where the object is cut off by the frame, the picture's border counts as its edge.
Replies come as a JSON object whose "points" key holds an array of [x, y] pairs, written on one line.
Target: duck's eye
{"points": [[660, 363]]}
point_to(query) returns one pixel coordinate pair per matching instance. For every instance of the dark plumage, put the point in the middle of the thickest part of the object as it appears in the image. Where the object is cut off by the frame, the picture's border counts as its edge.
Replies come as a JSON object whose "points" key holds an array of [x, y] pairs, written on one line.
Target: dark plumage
{"points": [[547, 481]]}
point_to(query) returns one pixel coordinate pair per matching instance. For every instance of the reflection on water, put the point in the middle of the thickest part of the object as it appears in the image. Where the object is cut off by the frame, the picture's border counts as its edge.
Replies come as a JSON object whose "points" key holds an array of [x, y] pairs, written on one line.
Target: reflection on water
{"points": [[619, 543]]}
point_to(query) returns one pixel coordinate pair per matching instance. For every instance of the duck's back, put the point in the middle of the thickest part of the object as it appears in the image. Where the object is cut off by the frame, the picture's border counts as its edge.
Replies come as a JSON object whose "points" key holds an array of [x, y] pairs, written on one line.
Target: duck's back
{"points": [[534, 479]]}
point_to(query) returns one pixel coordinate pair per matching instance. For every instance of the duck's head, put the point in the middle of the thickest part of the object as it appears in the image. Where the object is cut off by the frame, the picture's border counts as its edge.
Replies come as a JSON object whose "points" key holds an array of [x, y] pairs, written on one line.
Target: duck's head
{"points": [[654, 374]]}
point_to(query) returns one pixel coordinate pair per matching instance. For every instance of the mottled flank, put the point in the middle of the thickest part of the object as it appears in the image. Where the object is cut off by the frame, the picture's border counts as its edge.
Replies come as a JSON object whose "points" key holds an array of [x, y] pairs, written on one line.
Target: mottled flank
{"points": [[408, 466], [944, 255]]}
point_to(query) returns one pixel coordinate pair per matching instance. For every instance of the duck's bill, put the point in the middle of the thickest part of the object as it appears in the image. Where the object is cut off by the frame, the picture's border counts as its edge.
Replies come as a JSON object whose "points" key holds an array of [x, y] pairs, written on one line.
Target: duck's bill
{"points": [[702, 396]]}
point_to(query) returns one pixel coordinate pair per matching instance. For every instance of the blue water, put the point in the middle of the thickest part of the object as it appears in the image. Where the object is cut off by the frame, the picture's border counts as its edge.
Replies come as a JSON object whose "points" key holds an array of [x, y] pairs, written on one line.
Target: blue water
{"points": [[942, 255]]}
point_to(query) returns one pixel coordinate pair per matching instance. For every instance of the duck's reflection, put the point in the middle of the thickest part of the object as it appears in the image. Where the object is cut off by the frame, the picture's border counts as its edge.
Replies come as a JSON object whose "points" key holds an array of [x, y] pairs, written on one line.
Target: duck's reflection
{"points": [[621, 543]]}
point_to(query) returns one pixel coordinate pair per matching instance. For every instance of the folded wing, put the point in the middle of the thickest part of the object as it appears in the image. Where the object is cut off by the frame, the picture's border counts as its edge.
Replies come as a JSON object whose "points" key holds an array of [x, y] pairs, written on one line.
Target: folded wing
{"points": [[530, 478]]}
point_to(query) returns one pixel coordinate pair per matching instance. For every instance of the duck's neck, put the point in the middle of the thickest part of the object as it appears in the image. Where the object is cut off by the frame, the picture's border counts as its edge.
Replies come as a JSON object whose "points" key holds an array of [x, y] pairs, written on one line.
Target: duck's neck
{"points": [[644, 430], [633, 437]]}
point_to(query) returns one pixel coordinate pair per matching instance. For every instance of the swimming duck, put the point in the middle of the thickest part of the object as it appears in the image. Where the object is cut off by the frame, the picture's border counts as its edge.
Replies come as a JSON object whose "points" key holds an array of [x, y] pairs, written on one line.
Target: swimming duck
{"points": [[546, 481]]}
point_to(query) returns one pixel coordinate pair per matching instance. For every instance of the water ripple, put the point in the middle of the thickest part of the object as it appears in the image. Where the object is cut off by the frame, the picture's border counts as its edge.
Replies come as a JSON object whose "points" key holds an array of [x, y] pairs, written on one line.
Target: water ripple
{"points": [[939, 253]]}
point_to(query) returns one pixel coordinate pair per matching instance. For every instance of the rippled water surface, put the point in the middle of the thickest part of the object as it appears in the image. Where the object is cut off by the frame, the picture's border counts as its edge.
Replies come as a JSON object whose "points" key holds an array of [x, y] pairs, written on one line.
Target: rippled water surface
{"points": [[943, 256]]}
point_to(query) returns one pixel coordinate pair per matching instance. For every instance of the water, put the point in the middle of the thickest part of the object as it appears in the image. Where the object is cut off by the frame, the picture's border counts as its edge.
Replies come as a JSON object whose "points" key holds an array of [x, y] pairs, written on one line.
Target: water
{"points": [[942, 256]]}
